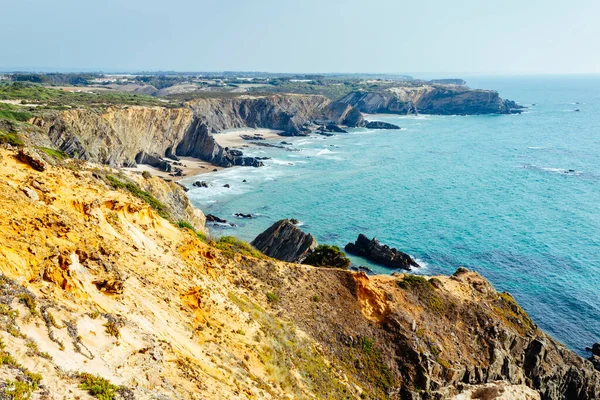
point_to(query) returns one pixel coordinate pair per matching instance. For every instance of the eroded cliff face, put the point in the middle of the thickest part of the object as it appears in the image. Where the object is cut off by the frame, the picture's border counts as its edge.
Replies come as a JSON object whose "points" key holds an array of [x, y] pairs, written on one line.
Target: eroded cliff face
{"points": [[431, 99], [93, 280], [124, 135]]}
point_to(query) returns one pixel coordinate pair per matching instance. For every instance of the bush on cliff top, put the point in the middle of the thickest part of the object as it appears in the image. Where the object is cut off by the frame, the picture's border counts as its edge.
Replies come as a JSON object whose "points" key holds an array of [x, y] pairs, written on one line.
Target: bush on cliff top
{"points": [[327, 256]]}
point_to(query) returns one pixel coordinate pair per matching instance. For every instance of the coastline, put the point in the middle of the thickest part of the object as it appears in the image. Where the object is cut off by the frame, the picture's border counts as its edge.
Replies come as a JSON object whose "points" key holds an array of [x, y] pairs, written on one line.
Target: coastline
{"points": [[190, 166]]}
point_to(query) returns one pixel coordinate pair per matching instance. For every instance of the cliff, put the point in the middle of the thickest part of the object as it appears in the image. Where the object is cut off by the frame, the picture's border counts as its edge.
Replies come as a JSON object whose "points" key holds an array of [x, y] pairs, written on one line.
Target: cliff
{"points": [[431, 99], [126, 135], [98, 290]]}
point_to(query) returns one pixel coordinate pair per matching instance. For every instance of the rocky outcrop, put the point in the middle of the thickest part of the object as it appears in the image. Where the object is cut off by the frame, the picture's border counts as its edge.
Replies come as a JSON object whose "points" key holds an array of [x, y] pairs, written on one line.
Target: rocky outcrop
{"points": [[595, 357], [380, 253], [284, 241], [380, 125], [341, 113], [173, 196], [431, 99]]}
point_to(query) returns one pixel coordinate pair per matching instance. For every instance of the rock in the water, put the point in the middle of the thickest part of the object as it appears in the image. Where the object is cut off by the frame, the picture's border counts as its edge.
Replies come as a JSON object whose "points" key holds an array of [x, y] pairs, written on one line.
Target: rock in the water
{"points": [[285, 242], [294, 221], [32, 159], [216, 220], [334, 128], [380, 253], [596, 349], [202, 184], [242, 215], [380, 125], [227, 185]]}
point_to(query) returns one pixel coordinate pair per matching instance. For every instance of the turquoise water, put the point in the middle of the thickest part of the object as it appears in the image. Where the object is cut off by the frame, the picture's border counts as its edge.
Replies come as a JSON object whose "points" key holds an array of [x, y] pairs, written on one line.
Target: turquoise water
{"points": [[492, 193]]}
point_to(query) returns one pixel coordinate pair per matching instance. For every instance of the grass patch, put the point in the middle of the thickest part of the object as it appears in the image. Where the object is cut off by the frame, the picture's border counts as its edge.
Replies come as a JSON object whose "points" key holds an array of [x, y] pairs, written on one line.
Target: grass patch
{"points": [[230, 246], [53, 153], [10, 138], [97, 386], [14, 113], [507, 308], [49, 98], [135, 190], [425, 292], [186, 225], [272, 297], [282, 350]]}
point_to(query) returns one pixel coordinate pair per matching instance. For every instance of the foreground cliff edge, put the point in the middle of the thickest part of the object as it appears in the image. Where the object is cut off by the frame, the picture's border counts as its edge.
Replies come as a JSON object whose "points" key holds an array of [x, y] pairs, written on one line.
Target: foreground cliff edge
{"points": [[103, 291]]}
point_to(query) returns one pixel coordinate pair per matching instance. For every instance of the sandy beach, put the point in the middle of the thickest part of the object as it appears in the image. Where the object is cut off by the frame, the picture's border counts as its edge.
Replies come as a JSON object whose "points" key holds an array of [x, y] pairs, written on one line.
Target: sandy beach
{"points": [[232, 137]]}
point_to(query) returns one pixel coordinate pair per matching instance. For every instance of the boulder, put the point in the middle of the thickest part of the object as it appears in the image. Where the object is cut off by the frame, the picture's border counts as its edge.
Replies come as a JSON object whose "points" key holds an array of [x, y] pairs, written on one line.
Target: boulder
{"points": [[285, 242], [32, 159], [201, 184], [380, 125], [380, 253]]}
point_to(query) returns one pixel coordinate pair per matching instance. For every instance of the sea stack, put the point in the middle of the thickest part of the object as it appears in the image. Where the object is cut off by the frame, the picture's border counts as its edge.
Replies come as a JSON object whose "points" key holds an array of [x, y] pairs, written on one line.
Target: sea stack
{"points": [[285, 242], [380, 253]]}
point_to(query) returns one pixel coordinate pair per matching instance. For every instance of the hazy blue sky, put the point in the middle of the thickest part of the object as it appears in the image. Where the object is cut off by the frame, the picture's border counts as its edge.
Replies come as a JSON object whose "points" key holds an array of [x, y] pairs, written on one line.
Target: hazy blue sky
{"points": [[460, 36]]}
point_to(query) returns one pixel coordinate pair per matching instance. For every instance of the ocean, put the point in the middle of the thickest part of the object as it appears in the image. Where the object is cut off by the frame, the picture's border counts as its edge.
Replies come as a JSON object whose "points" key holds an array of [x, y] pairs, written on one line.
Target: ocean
{"points": [[514, 197]]}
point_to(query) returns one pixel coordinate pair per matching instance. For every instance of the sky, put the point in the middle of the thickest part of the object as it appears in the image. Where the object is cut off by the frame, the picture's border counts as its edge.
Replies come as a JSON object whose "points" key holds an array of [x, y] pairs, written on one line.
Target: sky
{"points": [[377, 36]]}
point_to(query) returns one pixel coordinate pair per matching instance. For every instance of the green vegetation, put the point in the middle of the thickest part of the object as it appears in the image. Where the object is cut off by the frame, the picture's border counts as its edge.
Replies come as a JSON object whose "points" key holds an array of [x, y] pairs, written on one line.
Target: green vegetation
{"points": [[49, 98], [10, 138], [367, 345], [56, 154], [112, 329], [14, 113], [327, 256], [424, 291], [282, 350], [187, 225], [24, 386], [230, 246], [507, 308], [30, 302], [135, 190], [97, 386], [272, 297]]}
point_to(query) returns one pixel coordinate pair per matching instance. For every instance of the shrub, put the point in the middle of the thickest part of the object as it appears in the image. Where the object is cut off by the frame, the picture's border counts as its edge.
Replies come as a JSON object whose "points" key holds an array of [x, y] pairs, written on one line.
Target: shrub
{"points": [[272, 297], [146, 175], [97, 386], [327, 256]]}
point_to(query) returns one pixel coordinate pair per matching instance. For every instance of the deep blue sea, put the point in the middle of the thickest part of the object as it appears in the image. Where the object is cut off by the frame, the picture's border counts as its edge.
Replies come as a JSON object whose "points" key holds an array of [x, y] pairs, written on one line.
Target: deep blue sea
{"points": [[514, 197]]}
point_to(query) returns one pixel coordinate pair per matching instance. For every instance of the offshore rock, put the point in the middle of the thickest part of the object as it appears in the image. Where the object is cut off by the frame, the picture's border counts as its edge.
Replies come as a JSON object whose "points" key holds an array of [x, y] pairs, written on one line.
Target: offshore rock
{"points": [[285, 242], [380, 125], [381, 254]]}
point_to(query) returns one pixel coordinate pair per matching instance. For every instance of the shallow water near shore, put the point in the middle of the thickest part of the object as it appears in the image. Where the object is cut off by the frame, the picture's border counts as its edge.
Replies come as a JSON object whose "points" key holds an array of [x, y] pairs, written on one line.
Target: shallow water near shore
{"points": [[514, 197]]}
